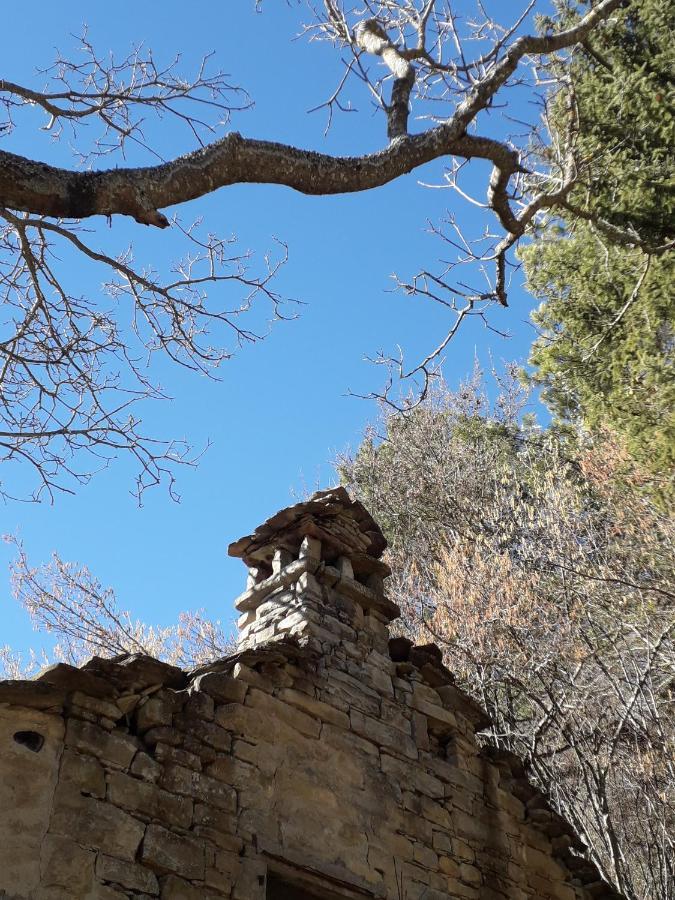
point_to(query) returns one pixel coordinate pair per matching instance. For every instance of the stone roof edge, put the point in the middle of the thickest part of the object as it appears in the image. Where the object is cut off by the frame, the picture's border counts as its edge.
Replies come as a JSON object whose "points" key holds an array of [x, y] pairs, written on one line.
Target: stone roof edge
{"points": [[112, 678]]}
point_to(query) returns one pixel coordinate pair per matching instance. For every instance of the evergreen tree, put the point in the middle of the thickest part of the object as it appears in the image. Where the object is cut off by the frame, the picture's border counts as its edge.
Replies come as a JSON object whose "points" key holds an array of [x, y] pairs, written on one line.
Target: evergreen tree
{"points": [[604, 355]]}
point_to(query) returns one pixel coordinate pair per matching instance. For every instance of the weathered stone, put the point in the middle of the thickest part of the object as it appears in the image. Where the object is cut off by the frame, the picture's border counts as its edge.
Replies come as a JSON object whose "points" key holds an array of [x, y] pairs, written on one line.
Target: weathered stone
{"points": [[207, 732], [233, 771], [94, 823], [27, 783], [64, 863], [127, 874], [174, 888], [136, 671], [149, 800], [146, 767], [116, 749], [313, 707], [376, 731], [153, 711], [32, 694], [85, 772], [270, 706], [96, 705], [199, 786], [223, 688], [166, 754], [164, 851], [166, 734], [200, 706], [105, 892], [70, 678]]}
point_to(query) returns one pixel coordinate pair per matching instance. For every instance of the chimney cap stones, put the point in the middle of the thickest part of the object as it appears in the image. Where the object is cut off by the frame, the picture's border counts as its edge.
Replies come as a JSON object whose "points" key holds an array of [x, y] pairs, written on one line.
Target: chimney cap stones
{"points": [[344, 527]]}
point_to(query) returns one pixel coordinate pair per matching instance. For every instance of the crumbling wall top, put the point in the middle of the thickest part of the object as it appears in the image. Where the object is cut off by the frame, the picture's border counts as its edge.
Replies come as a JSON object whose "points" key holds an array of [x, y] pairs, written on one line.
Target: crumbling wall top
{"points": [[340, 523]]}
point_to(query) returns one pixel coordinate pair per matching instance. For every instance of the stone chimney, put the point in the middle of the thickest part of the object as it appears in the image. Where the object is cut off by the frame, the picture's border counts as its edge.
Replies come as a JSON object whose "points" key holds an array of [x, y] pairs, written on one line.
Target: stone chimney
{"points": [[315, 574]]}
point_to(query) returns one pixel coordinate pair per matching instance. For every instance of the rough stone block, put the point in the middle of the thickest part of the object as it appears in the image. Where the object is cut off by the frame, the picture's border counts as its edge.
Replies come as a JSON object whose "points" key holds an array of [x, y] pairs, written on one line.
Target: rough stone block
{"points": [[149, 800], [127, 874], [157, 710], [167, 734], [166, 754], [64, 863], [94, 823], [383, 735], [96, 705], [146, 767], [200, 705], [174, 888], [198, 786], [166, 852], [314, 707], [276, 709], [114, 748], [208, 733], [84, 772], [223, 688]]}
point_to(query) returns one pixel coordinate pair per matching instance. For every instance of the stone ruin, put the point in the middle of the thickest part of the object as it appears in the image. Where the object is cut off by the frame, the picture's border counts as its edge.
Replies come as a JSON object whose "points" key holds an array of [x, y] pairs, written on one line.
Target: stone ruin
{"points": [[323, 760]]}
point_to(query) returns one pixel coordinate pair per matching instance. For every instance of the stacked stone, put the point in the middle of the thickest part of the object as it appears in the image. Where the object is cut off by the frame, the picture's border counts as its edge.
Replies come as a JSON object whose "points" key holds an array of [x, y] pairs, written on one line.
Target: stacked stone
{"points": [[321, 760], [315, 574]]}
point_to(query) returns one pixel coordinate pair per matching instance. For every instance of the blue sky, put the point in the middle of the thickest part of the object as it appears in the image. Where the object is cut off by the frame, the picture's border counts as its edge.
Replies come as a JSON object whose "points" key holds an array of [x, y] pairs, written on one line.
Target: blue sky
{"points": [[280, 410]]}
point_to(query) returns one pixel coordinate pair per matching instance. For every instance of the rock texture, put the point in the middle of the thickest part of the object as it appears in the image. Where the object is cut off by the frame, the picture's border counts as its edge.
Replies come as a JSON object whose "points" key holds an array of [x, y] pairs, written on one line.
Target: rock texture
{"points": [[323, 760]]}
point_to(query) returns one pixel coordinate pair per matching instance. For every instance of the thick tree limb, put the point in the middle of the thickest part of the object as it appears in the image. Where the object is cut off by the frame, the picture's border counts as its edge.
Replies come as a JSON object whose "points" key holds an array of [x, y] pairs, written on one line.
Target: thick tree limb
{"points": [[42, 189]]}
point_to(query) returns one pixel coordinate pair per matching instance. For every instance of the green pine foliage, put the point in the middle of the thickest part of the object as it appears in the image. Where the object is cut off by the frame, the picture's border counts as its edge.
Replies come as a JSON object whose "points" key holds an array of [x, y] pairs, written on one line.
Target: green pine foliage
{"points": [[605, 352]]}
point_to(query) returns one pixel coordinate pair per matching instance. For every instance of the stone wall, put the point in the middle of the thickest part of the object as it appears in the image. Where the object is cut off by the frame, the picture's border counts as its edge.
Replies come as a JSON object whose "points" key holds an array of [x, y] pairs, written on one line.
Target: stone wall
{"points": [[323, 760]]}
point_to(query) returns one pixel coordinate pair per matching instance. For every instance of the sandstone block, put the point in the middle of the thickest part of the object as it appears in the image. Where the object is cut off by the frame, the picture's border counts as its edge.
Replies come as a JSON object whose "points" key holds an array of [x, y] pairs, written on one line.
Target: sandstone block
{"points": [[200, 705], [223, 688], [146, 767], [383, 735], [440, 721], [424, 856], [199, 786], [167, 734], [314, 707], [234, 772], [64, 863], [166, 754], [149, 800], [84, 772], [207, 732], [348, 741], [157, 710], [27, 783], [105, 892], [469, 874], [114, 748], [167, 852], [274, 708], [127, 874], [94, 823], [174, 888], [100, 707]]}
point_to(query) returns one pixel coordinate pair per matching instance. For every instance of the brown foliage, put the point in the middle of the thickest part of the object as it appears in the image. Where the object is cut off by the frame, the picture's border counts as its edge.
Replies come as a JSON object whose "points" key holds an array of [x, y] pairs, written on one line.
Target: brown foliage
{"points": [[546, 575]]}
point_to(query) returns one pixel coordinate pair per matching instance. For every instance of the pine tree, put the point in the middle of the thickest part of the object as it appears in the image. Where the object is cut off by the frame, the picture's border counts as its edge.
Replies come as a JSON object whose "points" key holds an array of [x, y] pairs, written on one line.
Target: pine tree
{"points": [[604, 355]]}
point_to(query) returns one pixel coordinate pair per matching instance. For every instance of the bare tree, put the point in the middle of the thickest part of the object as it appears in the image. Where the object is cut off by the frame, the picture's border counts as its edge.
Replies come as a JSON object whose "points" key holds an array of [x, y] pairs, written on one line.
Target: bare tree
{"points": [[73, 367], [73, 370], [547, 578], [65, 600]]}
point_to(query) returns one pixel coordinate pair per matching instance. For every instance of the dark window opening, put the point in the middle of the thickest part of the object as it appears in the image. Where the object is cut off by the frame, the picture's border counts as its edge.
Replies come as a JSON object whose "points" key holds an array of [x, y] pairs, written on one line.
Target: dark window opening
{"points": [[29, 739], [279, 888]]}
